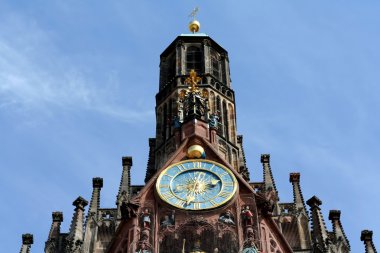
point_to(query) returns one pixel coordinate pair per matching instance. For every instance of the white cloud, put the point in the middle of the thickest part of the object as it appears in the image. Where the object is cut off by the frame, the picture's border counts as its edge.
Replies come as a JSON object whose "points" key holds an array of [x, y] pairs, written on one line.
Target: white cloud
{"points": [[35, 76]]}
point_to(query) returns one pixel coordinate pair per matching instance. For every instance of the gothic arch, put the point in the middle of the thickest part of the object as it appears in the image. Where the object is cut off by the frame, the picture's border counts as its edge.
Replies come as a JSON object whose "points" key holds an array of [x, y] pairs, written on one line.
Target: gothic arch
{"points": [[304, 231], [215, 63], [187, 235], [269, 242], [193, 59], [159, 125], [231, 116], [212, 102], [235, 160], [225, 121], [228, 243]]}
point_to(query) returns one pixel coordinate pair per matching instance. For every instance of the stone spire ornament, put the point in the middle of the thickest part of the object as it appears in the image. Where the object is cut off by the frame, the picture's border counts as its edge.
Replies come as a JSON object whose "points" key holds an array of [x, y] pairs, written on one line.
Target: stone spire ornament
{"points": [[27, 241]]}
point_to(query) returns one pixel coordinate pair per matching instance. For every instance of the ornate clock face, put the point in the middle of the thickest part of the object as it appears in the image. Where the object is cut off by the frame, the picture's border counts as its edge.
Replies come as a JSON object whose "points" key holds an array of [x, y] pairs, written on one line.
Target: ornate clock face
{"points": [[196, 185]]}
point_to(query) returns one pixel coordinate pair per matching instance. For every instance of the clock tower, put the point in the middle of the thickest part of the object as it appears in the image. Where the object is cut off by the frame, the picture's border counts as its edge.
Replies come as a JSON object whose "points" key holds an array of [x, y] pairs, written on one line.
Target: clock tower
{"points": [[197, 196], [174, 122]]}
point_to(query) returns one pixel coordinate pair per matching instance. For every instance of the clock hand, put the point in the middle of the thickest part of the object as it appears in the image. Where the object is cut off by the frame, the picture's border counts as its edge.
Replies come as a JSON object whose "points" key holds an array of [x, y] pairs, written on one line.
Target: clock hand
{"points": [[190, 197], [212, 184], [214, 181]]}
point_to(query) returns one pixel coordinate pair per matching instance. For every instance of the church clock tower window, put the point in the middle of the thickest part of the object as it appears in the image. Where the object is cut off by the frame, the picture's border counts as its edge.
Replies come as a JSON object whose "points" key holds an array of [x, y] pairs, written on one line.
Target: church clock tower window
{"points": [[215, 63], [193, 59]]}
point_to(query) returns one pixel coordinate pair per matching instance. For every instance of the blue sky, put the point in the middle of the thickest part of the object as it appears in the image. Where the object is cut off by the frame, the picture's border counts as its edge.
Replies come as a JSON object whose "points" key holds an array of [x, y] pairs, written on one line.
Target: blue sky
{"points": [[77, 87]]}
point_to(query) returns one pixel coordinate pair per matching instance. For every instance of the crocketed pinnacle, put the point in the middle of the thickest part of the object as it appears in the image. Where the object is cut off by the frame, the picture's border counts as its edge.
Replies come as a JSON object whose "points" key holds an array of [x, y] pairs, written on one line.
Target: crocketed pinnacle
{"points": [[27, 241], [338, 231], [75, 237], [123, 195], [320, 234], [366, 237], [298, 200], [267, 173]]}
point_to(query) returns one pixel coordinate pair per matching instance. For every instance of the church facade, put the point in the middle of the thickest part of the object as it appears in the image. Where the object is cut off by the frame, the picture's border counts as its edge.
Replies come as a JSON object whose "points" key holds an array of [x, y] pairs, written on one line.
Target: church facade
{"points": [[197, 196]]}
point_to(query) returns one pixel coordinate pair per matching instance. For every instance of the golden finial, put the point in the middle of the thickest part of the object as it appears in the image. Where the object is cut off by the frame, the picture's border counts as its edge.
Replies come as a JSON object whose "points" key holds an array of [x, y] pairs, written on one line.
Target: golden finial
{"points": [[193, 81], [194, 25]]}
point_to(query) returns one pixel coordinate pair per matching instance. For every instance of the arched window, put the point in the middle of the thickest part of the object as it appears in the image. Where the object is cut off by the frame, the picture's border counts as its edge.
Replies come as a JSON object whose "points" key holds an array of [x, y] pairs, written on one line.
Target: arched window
{"points": [[215, 64], [193, 59], [171, 66], [165, 121], [219, 112], [225, 121], [232, 123], [170, 116], [159, 125], [212, 102]]}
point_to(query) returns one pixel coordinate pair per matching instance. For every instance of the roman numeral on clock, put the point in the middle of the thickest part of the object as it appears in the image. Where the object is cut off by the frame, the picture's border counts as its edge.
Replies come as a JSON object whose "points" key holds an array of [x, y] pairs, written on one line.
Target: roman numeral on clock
{"points": [[180, 203], [213, 203], [197, 165], [197, 206], [223, 174], [224, 194], [228, 184], [167, 195], [181, 167]]}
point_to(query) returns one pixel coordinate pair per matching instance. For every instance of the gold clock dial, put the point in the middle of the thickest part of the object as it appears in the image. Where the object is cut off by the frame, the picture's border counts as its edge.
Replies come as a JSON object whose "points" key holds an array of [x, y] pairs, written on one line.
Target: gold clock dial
{"points": [[196, 185]]}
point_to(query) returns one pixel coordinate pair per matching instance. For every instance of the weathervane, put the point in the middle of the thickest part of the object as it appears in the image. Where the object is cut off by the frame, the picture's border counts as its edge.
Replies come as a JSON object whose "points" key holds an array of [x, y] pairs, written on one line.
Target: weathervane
{"points": [[194, 24], [193, 14]]}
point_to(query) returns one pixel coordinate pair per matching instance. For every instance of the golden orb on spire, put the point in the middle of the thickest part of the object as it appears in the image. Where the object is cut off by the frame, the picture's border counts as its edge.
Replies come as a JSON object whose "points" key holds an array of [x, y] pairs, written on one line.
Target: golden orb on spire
{"points": [[194, 26]]}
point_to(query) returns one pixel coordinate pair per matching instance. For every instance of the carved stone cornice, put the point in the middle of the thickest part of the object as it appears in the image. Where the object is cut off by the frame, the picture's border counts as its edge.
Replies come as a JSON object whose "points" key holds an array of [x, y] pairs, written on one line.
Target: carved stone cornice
{"points": [[27, 239], [80, 203], [57, 216], [127, 161], [97, 182]]}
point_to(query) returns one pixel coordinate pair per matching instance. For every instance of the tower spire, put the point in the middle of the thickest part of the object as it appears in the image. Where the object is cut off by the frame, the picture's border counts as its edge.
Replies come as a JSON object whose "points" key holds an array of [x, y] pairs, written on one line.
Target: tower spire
{"points": [[301, 211], [75, 237], [123, 195], [27, 241], [294, 178], [92, 216], [267, 173], [366, 237], [319, 231], [340, 236], [270, 189], [55, 230]]}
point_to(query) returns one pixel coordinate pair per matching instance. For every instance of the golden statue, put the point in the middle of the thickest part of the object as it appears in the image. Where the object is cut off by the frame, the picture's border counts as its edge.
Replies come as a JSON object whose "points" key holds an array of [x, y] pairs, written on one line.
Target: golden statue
{"points": [[193, 81]]}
